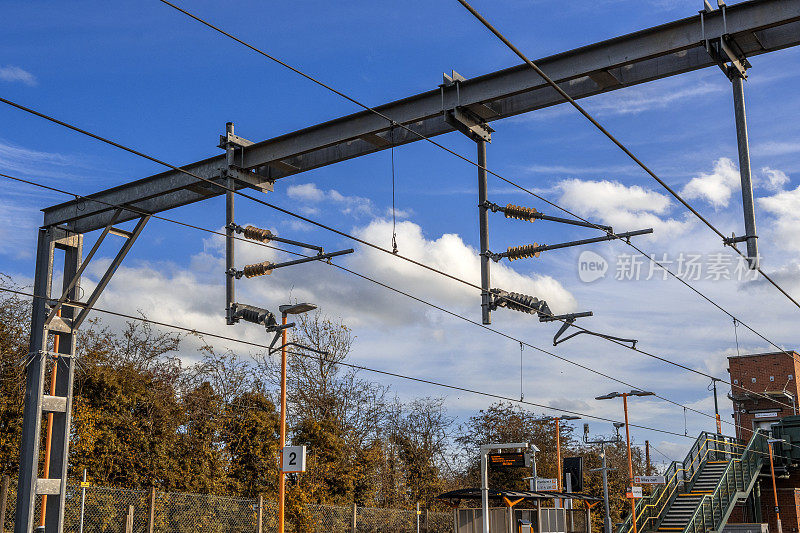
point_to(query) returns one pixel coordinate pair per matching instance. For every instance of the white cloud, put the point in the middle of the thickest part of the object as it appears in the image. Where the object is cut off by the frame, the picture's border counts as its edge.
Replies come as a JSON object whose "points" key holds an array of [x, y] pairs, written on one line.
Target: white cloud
{"points": [[785, 207], [348, 205], [13, 74], [308, 192], [771, 148], [634, 100], [450, 254], [643, 98], [38, 163], [624, 208], [775, 179], [714, 187]]}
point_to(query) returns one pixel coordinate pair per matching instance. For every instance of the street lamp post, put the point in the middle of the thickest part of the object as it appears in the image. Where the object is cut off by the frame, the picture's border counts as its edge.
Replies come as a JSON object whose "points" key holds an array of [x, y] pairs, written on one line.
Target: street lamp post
{"points": [[624, 396], [285, 310], [774, 488], [604, 468], [558, 420]]}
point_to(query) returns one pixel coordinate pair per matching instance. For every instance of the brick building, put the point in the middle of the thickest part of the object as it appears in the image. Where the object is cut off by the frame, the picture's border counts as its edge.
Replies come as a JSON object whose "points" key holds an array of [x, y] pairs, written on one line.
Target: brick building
{"points": [[754, 376], [757, 375]]}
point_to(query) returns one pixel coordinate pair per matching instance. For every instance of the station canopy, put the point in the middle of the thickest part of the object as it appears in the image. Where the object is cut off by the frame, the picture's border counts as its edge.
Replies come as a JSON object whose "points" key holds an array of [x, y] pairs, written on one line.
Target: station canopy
{"points": [[455, 496]]}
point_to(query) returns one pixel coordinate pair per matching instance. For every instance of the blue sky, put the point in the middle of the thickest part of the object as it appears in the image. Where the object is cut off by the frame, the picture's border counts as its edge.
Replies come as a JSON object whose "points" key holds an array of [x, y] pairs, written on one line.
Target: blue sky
{"points": [[148, 77]]}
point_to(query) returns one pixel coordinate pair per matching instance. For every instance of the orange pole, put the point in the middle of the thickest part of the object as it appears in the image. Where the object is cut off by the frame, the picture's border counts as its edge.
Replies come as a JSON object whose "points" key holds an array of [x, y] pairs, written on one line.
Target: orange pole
{"points": [[558, 451], [630, 462], [774, 489], [49, 440], [281, 476], [719, 425]]}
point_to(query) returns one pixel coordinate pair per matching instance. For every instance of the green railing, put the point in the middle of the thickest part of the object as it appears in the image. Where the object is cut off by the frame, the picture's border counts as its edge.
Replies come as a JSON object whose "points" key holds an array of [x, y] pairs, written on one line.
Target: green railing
{"points": [[680, 475], [714, 509]]}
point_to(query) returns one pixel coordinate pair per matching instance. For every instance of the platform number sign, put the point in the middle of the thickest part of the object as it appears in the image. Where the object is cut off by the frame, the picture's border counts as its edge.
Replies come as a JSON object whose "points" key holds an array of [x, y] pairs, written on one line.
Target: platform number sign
{"points": [[294, 459]]}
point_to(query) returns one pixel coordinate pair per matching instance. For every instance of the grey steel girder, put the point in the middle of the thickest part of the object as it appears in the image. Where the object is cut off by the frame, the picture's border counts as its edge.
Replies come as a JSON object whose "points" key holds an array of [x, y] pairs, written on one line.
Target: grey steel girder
{"points": [[756, 26]]}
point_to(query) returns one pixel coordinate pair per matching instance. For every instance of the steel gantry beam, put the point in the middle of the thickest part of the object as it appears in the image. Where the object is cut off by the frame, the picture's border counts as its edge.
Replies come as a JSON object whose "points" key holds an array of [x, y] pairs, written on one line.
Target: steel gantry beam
{"points": [[755, 26]]}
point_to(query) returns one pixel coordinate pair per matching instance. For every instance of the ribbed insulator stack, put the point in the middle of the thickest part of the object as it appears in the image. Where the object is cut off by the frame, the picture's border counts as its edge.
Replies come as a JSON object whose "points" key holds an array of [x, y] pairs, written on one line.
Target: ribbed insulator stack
{"points": [[259, 269], [522, 252], [522, 302], [257, 234], [520, 212], [250, 313]]}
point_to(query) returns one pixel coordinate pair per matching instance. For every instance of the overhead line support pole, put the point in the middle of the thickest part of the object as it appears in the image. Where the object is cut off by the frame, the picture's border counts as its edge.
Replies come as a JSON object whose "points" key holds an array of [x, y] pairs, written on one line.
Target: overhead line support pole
{"points": [[230, 281], [483, 223], [748, 207], [475, 128]]}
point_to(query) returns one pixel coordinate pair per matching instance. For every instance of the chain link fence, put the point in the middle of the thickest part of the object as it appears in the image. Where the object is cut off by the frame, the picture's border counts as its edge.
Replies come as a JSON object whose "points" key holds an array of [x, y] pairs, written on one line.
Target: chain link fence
{"points": [[105, 510]]}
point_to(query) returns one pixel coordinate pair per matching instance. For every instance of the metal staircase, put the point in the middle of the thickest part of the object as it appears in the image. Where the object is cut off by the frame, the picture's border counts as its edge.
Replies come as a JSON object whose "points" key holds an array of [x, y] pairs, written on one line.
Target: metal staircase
{"points": [[701, 491]]}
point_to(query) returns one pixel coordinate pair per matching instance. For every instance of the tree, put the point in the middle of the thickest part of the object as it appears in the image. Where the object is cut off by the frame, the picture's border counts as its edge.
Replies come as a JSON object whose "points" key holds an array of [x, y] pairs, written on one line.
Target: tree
{"points": [[505, 422], [420, 435], [251, 438], [340, 416], [127, 411], [201, 459], [14, 335]]}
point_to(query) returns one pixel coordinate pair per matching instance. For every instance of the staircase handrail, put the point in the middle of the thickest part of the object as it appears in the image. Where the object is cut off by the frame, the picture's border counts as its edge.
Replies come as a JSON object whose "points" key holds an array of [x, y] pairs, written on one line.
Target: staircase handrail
{"points": [[709, 513], [692, 463]]}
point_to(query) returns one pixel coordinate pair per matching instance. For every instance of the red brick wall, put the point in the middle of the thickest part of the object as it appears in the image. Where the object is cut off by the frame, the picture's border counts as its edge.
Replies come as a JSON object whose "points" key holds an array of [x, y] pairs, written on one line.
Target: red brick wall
{"points": [[788, 500], [771, 372]]}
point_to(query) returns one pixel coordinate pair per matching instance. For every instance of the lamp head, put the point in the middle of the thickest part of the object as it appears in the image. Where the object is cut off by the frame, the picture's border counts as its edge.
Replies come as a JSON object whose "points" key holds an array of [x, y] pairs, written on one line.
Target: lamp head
{"points": [[609, 396], [296, 309], [641, 393]]}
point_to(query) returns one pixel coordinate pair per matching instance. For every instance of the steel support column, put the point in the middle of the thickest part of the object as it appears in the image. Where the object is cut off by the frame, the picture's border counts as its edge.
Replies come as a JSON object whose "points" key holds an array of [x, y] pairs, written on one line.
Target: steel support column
{"points": [[230, 289], [483, 222], [30, 486], [744, 169]]}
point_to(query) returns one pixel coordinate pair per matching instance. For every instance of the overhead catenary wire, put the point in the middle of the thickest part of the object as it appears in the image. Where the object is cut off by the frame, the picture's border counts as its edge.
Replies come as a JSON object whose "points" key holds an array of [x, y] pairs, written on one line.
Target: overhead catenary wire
{"points": [[173, 167], [510, 182], [614, 140], [474, 163], [201, 333], [323, 226], [461, 317], [344, 234], [350, 365]]}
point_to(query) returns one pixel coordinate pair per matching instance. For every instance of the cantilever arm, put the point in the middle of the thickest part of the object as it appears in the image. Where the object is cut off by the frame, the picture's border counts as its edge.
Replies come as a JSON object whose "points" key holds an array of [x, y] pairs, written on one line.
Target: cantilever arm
{"points": [[569, 322]]}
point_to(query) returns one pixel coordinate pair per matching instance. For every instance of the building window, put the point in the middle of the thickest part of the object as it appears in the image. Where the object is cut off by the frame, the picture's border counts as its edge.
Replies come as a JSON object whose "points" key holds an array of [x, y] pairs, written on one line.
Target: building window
{"points": [[753, 380]]}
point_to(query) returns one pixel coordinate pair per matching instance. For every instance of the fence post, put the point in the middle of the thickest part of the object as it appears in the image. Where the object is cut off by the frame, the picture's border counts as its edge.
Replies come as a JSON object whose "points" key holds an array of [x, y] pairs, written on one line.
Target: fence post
{"points": [[427, 518], [354, 518], [3, 499], [129, 520], [151, 518], [83, 502], [260, 513]]}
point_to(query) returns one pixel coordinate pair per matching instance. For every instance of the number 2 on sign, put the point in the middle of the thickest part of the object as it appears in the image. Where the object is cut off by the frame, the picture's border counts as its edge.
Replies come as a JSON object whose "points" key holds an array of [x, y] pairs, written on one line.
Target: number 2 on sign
{"points": [[294, 459]]}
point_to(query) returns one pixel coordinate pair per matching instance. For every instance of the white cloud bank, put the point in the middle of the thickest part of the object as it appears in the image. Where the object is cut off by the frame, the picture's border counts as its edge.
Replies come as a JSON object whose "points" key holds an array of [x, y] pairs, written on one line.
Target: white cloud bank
{"points": [[13, 74], [310, 194], [715, 187], [624, 207], [785, 207]]}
